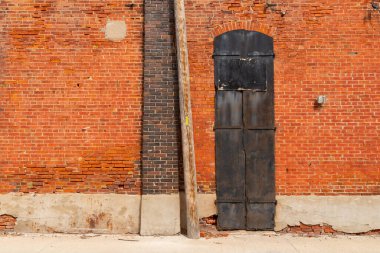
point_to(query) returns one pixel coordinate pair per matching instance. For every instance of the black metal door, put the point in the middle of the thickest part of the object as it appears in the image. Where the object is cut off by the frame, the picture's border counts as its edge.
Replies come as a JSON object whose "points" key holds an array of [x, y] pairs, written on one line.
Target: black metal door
{"points": [[244, 130]]}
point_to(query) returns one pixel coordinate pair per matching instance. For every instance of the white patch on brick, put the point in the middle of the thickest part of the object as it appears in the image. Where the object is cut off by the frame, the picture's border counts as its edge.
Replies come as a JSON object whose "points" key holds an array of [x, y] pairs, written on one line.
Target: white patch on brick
{"points": [[116, 30]]}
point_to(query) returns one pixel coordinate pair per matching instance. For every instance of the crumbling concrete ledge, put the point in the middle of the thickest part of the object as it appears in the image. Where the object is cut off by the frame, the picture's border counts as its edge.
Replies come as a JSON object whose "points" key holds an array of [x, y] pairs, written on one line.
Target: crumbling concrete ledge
{"points": [[73, 213], [349, 214], [160, 214]]}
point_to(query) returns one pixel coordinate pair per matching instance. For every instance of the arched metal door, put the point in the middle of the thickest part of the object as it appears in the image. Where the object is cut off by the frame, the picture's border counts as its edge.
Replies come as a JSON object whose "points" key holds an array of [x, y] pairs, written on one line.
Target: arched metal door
{"points": [[244, 130]]}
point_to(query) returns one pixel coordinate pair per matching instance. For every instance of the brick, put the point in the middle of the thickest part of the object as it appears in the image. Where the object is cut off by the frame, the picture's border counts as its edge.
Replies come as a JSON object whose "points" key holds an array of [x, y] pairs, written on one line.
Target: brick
{"points": [[161, 152], [333, 150], [7, 223], [70, 104]]}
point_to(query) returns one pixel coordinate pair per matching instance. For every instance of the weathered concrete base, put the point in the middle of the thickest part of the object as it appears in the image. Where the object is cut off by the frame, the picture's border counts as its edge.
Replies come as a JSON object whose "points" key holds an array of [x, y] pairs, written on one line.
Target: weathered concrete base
{"points": [[73, 213], [160, 214], [206, 206], [349, 214]]}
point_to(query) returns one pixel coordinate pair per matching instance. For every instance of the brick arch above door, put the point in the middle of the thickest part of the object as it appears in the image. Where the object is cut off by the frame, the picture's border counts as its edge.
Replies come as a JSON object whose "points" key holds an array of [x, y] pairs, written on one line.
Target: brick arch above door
{"points": [[244, 25]]}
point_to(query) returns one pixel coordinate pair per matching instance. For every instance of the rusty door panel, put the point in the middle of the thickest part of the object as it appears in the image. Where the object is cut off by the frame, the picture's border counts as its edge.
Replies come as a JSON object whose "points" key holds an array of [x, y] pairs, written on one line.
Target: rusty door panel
{"points": [[258, 110], [260, 179], [259, 165], [260, 216], [243, 60], [235, 73], [259, 151], [230, 175], [230, 44], [231, 216], [231, 161], [228, 109], [269, 72], [243, 43], [258, 44]]}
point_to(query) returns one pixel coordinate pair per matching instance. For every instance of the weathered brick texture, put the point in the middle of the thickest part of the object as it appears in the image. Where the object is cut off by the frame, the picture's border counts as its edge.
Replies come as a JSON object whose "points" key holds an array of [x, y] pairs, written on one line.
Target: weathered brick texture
{"points": [[70, 101], [7, 223], [161, 130], [324, 229], [322, 48]]}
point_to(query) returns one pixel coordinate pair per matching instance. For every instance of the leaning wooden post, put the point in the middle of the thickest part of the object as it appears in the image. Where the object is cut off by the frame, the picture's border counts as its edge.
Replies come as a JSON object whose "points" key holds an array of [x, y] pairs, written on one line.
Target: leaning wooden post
{"points": [[186, 121]]}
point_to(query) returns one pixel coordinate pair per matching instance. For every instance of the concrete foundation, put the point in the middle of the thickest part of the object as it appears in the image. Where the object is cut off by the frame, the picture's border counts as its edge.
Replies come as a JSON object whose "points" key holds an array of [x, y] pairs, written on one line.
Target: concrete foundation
{"points": [[73, 213], [350, 214], [160, 214]]}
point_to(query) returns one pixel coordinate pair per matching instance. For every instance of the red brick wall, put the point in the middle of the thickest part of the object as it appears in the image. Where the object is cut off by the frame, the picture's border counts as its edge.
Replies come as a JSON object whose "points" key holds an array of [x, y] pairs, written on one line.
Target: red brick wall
{"points": [[322, 48], [70, 101]]}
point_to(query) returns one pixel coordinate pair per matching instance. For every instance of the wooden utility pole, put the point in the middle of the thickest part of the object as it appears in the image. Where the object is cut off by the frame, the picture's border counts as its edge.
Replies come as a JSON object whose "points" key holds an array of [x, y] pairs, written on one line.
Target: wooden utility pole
{"points": [[192, 220]]}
